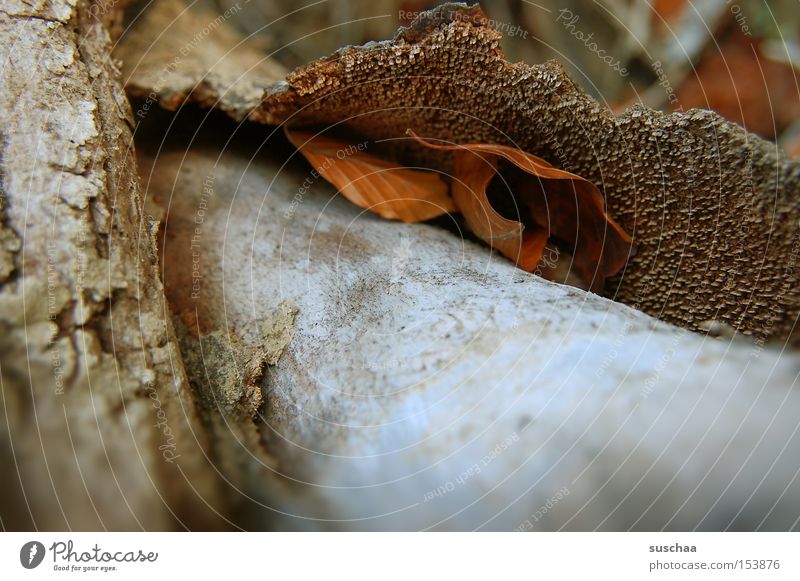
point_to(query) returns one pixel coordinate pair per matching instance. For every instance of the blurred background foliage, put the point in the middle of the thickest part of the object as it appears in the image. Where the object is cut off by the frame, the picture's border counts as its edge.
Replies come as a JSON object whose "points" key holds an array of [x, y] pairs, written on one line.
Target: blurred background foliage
{"points": [[738, 57]]}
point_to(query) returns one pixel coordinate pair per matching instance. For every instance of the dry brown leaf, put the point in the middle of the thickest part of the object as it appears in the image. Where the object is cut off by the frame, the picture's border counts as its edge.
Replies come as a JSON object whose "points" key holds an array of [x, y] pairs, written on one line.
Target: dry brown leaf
{"points": [[372, 183], [544, 202]]}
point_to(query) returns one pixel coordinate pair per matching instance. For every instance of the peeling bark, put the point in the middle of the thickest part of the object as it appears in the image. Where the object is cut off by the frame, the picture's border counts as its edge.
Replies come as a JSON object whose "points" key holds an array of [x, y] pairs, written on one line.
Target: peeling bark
{"points": [[175, 53]]}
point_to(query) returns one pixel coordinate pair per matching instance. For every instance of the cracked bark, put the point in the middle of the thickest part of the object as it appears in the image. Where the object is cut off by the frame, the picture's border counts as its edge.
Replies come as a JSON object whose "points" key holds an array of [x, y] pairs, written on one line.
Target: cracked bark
{"points": [[99, 429]]}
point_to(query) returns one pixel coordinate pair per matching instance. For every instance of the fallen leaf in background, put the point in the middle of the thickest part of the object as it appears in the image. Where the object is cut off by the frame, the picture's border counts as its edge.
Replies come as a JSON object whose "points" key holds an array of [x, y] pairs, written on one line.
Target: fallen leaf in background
{"points": [[372, 183], [666, 9], [540, 202], [743, 85]]}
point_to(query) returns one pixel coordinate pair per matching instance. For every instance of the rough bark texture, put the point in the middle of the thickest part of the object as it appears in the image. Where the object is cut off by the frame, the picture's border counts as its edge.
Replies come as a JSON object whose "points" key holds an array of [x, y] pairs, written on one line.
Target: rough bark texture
{"points": [[714, 210], [419, 382], [99, 428]]}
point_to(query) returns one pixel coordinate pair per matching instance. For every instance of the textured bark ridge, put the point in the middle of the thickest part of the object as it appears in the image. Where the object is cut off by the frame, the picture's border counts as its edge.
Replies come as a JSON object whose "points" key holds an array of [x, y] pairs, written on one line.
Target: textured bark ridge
{"points": [[99, 428], [713, 209]]}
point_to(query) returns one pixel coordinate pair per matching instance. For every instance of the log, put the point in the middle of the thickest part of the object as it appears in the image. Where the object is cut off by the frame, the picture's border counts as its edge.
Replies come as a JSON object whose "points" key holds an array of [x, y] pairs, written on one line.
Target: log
{"points": [[413, 380]]}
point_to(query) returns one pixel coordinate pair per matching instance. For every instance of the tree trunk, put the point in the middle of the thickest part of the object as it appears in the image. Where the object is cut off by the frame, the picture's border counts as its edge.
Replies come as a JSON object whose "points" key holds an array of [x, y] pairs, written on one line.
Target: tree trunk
{"points": [[100, 429]]}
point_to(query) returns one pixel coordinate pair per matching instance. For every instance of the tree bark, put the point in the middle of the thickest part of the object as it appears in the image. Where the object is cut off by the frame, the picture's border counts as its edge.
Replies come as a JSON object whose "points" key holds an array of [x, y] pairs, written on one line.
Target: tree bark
{"points": [[99, 425]]}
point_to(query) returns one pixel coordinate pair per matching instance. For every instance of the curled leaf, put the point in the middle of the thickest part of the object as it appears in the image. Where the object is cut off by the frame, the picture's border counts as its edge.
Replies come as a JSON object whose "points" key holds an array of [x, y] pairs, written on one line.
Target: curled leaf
{"points": [[372, 183], [516, 201]]}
